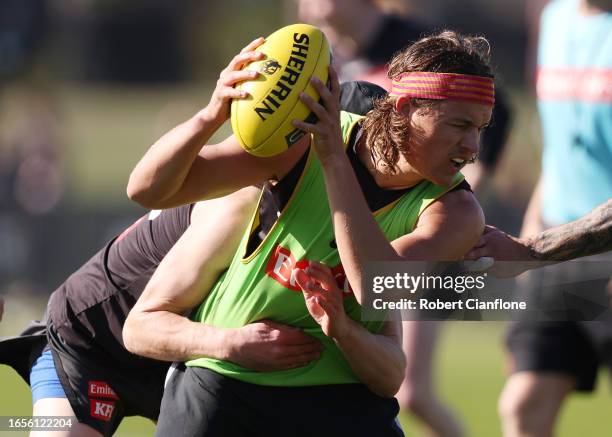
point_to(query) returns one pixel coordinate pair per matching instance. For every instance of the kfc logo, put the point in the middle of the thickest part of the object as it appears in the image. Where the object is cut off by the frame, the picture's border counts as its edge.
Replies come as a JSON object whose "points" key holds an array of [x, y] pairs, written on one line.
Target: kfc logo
{"points": [[282, 267], [102, 410]]}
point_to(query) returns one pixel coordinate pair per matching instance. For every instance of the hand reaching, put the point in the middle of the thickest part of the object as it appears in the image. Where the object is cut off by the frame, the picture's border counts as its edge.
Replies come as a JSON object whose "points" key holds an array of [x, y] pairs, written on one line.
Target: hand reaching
{"points": [[267, 346], [496, 245], [218, 110], [327, 133], [324, 299]]}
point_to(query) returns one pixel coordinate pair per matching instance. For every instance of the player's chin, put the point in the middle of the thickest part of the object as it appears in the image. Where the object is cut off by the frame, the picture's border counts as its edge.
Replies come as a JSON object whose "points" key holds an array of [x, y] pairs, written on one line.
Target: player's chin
{"points": [[443, 179]]}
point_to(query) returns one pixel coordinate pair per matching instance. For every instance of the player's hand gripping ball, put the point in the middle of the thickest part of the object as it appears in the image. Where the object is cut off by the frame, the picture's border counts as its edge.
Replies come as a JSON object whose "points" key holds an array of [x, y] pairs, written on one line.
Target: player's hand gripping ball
{"points": [[262, 121]]}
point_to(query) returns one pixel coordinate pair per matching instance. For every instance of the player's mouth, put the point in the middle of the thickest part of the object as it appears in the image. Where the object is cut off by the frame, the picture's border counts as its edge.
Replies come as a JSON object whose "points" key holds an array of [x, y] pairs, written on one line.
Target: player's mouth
{"points": [[459, 163]]}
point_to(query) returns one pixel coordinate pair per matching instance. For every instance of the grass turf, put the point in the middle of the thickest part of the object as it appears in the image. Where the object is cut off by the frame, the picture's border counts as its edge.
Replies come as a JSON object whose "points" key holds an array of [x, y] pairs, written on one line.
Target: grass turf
{"points": [[469, 377]]}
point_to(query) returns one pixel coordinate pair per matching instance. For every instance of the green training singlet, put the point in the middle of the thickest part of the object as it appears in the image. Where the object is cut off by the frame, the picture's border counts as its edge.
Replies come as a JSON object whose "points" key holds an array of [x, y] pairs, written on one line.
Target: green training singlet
{"points": [[262, 285]]}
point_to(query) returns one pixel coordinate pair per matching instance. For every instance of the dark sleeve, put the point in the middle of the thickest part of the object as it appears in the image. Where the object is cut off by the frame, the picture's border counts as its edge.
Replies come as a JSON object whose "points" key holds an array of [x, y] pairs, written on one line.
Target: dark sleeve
{"points": [[167, 228], [142, 246], [495, 136], [358, 97]]}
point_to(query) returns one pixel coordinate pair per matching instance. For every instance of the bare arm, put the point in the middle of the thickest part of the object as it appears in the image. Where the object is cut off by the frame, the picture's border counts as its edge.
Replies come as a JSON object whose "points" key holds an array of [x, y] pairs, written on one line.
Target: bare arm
{"points": [[180, 169], [156, 326], [377, 359], [590, 235]]}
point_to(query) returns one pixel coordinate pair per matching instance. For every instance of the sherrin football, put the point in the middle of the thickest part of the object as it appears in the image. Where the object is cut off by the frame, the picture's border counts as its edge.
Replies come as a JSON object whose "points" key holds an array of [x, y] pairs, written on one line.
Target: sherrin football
{"points": [[262, 121]]}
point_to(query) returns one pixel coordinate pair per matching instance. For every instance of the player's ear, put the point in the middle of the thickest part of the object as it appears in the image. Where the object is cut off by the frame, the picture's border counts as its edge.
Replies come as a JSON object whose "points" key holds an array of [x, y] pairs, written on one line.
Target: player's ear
{"points": [[403, 105]]}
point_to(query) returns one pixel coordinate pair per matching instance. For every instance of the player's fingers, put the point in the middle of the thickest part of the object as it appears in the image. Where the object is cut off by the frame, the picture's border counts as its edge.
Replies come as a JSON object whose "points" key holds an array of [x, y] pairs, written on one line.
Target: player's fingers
{"points": [[279, 326], [316, 266], [297, 337], [292, 356], [241, 59], [321, 274], [288, 334], [303, 360], [290, 351], [327, 306], [253, 44], [326, 96], [231, 78], [314, 106], [307, 127], [314, 288], [233, 93]]}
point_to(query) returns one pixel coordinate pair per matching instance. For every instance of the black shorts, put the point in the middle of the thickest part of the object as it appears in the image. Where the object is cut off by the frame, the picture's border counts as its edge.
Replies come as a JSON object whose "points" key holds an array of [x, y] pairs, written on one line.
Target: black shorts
{"points": [[200, 402], [101, 393], [576, 349], [572, 348]]}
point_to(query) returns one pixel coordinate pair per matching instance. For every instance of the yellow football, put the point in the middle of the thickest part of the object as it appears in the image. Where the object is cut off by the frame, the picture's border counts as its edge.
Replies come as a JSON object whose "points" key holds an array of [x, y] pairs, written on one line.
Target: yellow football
{"points": [[262, 121]]}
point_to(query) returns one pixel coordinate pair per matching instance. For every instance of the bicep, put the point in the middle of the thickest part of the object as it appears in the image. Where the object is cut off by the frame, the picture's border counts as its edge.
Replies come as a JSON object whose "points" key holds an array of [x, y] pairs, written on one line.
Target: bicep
{"points": [[446, 230]]}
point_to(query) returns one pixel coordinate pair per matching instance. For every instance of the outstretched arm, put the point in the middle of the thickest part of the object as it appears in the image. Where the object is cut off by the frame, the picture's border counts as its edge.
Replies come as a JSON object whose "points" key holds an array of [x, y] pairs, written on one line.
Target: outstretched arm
{"points": [[156, 326], [377, 359], [589, 235]]}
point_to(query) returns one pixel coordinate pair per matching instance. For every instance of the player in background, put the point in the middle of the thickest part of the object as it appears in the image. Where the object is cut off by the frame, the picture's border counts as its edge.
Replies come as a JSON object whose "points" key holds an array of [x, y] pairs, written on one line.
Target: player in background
{"points": [[550, 360]]}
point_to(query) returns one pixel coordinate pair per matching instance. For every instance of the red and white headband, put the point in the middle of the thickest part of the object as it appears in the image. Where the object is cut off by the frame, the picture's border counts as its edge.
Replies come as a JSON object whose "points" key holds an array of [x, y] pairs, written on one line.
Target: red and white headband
{"points": [[445, 86]]}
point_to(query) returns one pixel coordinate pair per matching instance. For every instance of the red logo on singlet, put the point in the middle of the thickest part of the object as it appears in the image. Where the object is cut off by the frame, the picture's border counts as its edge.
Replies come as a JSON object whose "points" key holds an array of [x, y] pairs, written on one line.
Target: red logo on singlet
{"points": [[282, 267], [102, 410]]}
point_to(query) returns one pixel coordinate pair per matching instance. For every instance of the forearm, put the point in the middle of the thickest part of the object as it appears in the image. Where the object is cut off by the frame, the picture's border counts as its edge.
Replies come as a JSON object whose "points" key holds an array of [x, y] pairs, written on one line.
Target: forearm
{"points": [[377, 360], [165, 166], [166, 336], [358, 236], [589, 235]]}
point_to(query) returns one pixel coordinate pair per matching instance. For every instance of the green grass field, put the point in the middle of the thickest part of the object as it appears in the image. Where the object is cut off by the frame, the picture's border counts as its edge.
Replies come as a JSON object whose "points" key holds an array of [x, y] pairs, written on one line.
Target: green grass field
{"points": [[469, 377]]}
